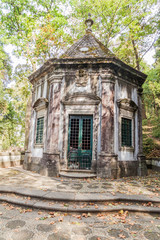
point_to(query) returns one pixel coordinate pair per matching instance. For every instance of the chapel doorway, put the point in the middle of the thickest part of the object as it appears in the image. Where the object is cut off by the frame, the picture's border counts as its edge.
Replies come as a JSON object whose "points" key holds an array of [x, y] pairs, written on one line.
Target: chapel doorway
{"points": [[80, 142]]}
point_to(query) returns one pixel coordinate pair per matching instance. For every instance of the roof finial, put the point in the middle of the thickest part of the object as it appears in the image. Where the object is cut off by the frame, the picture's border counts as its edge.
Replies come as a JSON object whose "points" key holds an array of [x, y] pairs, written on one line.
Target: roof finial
{"points": [[89, 22]]}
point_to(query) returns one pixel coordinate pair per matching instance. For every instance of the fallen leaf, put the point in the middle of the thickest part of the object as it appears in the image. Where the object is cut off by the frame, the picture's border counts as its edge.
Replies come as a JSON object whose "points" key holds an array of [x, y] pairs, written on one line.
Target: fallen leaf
{"points": [[121, 236], [39, 213], [51, 223], [60, 219], [51, 213], [28, 210], [121, 212], [42, 218]]}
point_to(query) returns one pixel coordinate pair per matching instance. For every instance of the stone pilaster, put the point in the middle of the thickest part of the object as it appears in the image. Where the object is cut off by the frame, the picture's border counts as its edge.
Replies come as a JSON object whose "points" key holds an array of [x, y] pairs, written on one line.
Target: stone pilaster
{"points": [[107, 160], [51, 158]]}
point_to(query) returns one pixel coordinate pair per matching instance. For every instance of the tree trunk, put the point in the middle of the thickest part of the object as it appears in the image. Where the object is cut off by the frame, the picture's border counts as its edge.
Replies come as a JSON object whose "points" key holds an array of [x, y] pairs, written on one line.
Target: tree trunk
{"points": [[136, 55]]}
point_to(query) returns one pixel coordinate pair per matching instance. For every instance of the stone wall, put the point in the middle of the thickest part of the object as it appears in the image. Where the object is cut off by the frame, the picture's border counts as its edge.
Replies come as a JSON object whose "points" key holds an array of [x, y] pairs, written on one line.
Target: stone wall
{"points": [[11, 159], [153, 163]]}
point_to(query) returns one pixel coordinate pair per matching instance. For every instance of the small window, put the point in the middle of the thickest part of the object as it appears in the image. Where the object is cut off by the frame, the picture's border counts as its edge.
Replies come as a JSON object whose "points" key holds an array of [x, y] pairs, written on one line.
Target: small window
{"points": [[126, 132], [39, 133]]}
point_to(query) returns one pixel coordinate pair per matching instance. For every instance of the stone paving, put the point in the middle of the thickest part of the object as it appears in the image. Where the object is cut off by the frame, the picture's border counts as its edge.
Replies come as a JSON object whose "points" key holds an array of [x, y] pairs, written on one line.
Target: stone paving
{"points": [[17, 223], [17, 177]]}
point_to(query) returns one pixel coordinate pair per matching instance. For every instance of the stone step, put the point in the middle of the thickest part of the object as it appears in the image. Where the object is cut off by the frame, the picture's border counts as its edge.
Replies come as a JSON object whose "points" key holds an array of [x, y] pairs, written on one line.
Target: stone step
{"points": [[81, 207], [77, 170], [76, 197], [77, 174]]}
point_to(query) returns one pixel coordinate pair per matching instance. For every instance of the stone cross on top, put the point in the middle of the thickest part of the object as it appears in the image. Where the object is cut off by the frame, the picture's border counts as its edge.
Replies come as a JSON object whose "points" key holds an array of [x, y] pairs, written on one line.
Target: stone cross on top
{"points": [[89, 22]]}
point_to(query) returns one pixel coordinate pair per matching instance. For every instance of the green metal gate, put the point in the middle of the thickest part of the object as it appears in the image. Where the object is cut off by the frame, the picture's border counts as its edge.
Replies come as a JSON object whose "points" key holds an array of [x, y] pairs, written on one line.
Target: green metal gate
{"points": [[80, 142]]}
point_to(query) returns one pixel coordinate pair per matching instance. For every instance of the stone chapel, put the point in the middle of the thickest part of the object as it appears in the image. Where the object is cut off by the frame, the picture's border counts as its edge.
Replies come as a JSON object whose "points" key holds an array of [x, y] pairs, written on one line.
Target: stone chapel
{"points": [[86, 114]]}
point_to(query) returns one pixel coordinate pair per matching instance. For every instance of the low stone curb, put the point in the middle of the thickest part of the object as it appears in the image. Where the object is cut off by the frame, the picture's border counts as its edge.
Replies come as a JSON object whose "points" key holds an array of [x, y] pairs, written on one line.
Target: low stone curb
{"points": [[43, 206], [77, 197]]}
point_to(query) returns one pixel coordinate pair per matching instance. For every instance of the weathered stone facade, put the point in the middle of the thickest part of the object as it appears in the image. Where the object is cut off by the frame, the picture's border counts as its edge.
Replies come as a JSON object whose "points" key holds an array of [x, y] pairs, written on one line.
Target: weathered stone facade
{"points": [[88, 80]]}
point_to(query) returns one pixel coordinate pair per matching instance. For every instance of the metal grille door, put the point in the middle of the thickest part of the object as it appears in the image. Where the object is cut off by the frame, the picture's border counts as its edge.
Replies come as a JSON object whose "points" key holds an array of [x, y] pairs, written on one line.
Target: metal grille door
{"points": [[80, 142], [74, 134], [86, 134]]}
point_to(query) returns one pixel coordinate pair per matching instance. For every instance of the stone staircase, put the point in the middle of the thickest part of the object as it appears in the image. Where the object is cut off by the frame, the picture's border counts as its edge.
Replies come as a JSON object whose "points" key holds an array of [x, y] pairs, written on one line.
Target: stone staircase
{"points": [[78, 202]]}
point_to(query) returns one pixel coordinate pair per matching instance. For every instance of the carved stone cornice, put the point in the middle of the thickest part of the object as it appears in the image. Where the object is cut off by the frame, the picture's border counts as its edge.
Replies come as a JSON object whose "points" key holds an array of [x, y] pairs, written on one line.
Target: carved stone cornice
{"points": [[127, 104], [107, 77], [40, 103], [56, 78], [81, 99]]}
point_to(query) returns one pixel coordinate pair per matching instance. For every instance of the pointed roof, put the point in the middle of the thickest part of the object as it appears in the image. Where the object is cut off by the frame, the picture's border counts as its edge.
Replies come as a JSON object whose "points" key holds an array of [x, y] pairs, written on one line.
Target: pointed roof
{"points": [[88, 47]]}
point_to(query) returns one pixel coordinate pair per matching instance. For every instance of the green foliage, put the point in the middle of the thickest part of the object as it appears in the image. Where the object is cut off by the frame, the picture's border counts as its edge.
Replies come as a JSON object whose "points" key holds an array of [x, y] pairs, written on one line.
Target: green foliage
{"points": [[148, 145], [127, 26], [35, 28], [144, 122], [42, 29], [5, 73], [12, 115], [151, 92], [156, 130]]}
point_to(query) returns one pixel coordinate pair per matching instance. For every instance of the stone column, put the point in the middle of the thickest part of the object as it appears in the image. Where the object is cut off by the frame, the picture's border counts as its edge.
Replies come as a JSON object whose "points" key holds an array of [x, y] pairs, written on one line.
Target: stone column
{"points": [[142, 167], [107, 160]]}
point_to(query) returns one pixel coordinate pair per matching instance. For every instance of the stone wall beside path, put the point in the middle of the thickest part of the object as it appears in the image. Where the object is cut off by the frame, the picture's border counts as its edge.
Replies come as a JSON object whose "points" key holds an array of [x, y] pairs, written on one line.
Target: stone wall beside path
{"points": [[153, 163], [11, 159]]}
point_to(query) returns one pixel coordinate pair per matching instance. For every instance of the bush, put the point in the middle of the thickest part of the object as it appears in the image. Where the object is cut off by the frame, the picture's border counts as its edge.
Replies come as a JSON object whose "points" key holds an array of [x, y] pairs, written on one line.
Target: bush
{"points": [[144, 122], [156, 130], [148, 145]]}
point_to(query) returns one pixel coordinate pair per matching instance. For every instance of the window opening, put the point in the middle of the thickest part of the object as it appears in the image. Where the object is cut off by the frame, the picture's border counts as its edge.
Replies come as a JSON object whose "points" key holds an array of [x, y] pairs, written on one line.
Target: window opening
{"points": [[39, 132], [126, 132]]}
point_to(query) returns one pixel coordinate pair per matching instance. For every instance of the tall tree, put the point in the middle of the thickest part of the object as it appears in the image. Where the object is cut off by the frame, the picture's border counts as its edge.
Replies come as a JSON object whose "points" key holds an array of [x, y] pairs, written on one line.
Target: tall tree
{"points": [[41, 29], [35, 27], [128, 26]]}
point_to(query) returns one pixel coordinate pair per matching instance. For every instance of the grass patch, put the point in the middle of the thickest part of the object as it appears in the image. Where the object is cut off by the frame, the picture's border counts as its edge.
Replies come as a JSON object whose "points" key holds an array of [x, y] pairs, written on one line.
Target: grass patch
{"points": [[156, 130], [148, 145], [144, 122]]}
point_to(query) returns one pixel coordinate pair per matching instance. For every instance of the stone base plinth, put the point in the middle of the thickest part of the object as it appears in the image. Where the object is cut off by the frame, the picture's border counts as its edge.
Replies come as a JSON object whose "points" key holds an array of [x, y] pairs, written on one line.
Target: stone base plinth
{"points": [[27, 160], [127, 168], [107, 165], [142, 166], [47, 166], [50, 164]]}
